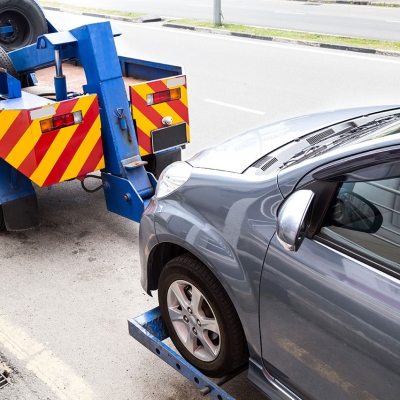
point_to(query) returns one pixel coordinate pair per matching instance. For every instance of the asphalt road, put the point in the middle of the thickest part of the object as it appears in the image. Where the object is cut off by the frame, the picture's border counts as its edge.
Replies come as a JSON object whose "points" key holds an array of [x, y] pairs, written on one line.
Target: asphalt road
{"points": [[68, 287], [357, 21]]}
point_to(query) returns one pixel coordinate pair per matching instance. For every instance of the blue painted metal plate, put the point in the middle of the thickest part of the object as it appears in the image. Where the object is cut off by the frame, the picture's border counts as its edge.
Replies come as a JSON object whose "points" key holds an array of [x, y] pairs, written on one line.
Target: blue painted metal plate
{"points": [[147, 70], [122, 197], [149, 330], [9, 86], [55, 39]]}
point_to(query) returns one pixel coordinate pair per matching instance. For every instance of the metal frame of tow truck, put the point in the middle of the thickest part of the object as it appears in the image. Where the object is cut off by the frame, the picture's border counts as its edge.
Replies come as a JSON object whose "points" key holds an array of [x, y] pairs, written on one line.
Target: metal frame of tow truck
{"points": [[149, 329]]}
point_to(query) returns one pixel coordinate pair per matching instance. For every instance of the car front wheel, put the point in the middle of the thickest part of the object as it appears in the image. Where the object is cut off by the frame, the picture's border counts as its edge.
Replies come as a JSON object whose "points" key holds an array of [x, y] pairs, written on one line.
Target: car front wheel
{"points": [[200, 317]]}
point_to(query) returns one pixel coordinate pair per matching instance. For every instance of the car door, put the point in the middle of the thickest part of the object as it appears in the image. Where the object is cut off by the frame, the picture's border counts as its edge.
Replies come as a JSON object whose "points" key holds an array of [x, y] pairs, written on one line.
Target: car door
{"points": [[330, 312]]}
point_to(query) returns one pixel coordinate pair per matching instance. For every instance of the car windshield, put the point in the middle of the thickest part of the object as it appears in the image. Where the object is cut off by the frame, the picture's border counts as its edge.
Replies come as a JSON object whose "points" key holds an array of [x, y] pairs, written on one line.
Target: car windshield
{"points": [[386, 131], [376, 129]]}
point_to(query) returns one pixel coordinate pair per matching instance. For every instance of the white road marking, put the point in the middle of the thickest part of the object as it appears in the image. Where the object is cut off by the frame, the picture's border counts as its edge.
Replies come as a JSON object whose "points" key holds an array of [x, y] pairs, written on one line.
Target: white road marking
{"points": [[395, 22], [220, 103], [58, 376], [290, 12]]}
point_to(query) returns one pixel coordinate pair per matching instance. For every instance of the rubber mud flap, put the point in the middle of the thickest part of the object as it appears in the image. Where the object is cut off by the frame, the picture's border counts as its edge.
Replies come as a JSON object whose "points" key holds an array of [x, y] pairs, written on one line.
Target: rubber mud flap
{"points": [[21, 214], [159, 161]]}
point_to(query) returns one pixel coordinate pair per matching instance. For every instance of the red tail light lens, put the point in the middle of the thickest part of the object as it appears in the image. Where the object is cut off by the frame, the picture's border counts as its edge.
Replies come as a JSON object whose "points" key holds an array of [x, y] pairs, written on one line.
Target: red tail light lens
{"points": [[61, 121], [164, 96]]}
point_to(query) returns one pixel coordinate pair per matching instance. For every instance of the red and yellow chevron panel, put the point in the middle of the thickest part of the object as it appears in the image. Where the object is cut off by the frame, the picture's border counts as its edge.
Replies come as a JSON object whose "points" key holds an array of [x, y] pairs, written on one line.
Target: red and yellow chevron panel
{"points": [[58, 155], [148, 118]]}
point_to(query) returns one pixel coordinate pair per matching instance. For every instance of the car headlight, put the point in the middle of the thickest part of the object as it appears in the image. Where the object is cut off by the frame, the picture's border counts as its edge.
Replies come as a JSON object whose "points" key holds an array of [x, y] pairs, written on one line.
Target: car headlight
{"points": [[172, 178]]}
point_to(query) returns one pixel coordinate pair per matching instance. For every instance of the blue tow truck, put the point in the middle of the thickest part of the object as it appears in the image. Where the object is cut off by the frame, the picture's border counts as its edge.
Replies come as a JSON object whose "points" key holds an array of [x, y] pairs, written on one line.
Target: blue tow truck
{"points": [[53, 135]]}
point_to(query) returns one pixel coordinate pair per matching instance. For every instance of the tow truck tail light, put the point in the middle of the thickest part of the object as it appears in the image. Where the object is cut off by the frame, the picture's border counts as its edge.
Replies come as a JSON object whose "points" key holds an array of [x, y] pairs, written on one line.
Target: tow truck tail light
{"points": [[61, 121], [164, 96]]}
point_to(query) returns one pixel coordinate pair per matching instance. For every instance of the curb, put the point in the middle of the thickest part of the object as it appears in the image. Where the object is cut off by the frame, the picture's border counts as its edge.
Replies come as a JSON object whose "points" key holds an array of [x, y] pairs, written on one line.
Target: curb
{"points": [[143, 18], [354, 2], [388, 53]]}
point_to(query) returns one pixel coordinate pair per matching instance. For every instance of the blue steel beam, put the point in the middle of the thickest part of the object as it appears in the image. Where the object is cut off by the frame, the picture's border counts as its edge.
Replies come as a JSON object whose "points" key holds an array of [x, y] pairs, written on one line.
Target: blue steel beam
{"points": [[98, 56], [30, 59], [97, 53], [149, 329]]}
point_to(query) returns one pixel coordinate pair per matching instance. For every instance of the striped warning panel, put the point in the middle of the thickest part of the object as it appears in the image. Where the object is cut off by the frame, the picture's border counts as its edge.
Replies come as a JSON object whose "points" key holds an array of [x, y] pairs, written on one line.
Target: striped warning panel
{"points": [[148, 117], [50, 157]]}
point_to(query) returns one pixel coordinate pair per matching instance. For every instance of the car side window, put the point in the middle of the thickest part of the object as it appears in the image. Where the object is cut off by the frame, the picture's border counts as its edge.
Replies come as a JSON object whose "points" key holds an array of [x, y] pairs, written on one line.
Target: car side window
{"points": [[365, 218]]}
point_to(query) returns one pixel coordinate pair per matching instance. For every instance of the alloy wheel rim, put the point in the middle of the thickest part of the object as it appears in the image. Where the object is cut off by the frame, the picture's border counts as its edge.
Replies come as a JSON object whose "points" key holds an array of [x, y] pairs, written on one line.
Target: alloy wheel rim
{"points": [[194, 320]]}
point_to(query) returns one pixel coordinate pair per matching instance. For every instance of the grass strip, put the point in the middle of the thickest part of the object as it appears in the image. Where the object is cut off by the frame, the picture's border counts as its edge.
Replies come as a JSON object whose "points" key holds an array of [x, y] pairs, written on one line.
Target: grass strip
{"points": [[312, 37], [91, 10]]}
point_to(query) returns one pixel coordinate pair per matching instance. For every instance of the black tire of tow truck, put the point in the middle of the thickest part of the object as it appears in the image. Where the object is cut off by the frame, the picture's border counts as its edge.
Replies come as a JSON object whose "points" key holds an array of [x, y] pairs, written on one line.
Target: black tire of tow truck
{"points": [[2, 223], [28, 20], [6, 63]]}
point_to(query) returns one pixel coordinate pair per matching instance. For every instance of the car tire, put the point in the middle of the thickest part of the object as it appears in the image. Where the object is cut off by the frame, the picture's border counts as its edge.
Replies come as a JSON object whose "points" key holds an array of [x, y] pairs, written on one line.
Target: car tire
{"points": [[7, 64], [28, 21], [191, 299]]}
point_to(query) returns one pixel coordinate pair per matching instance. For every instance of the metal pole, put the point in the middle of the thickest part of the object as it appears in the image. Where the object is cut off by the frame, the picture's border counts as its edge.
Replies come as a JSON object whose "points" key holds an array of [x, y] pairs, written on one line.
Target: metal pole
{"points": [[217, 12], [57, 59], [60, 82]]}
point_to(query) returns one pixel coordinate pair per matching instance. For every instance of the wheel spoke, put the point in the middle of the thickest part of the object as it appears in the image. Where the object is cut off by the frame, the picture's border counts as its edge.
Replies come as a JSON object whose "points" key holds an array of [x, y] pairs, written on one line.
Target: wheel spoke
{"points": [[196, 301], [208, 346], [179, 294], [209, 324], [175, 314], [191, 342]]}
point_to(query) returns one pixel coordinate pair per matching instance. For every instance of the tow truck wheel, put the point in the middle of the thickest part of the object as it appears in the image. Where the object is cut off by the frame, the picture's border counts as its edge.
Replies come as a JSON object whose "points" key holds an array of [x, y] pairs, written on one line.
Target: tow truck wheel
{"points": [[22, 22], [2, 223], [200, 317], [6, 63]]}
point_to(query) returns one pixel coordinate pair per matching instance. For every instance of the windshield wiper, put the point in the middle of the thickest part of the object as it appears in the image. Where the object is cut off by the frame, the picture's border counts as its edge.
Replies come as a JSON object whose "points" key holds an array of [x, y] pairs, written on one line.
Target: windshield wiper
{"points": [[307, 152], [342, 137], [362, 130]]}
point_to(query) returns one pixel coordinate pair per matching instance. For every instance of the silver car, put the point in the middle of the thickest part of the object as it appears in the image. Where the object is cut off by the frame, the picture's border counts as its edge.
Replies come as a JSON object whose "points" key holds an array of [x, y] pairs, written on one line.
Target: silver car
{"points": [[280, 248]]}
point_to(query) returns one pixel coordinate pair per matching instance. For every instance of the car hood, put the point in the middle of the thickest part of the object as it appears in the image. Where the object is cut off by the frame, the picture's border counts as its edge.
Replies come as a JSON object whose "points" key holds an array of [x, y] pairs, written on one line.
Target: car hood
{"points": [[238, 153]]}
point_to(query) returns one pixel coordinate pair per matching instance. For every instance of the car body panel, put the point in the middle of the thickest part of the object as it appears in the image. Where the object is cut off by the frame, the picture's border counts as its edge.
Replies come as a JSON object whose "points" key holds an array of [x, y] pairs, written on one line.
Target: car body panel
{"points": [[256, 143], [329, 319]]}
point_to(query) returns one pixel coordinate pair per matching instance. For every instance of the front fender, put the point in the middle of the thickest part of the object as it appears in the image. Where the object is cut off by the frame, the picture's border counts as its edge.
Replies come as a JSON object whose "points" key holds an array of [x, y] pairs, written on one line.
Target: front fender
{"points": [[186, 229]]}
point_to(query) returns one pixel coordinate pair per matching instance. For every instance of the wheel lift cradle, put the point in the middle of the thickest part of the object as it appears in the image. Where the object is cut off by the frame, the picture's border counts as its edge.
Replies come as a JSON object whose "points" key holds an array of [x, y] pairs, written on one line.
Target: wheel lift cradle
{"points": [[113, 135], [149, 329]]}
